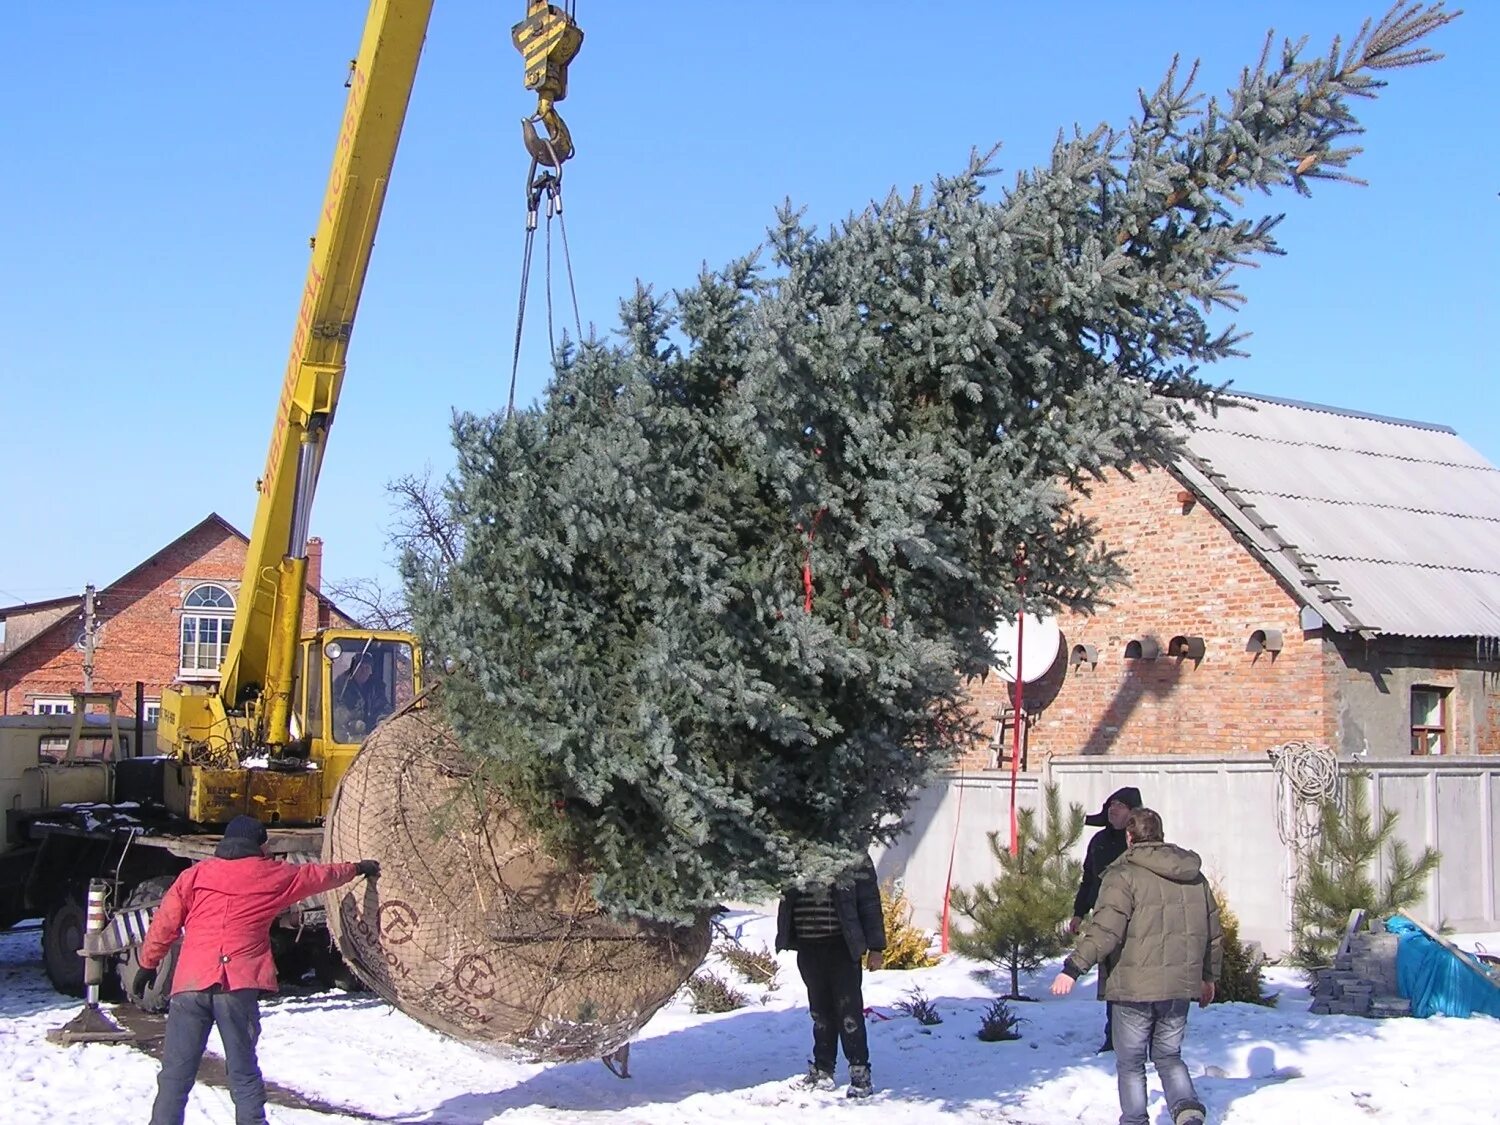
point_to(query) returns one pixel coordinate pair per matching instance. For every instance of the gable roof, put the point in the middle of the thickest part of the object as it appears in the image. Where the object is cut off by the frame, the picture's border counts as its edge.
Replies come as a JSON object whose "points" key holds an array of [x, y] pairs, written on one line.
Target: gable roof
{"points": [[1380, 525], [213, 519], [66, 601]]}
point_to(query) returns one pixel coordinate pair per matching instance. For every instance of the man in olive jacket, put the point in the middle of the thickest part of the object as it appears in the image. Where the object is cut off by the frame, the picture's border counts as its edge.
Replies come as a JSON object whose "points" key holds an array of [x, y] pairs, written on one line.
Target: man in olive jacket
{"points": [[1155, 936], [832, 926]]}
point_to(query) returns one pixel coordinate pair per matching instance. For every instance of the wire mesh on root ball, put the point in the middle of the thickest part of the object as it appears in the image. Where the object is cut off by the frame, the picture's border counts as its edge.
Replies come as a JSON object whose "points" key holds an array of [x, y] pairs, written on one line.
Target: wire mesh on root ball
{"points": [[471, 927]]}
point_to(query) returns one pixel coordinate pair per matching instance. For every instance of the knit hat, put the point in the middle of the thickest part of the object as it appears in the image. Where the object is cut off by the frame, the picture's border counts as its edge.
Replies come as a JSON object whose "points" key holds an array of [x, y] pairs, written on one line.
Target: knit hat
{"points": [[1130, 796], [243, 837], [254, 831]]}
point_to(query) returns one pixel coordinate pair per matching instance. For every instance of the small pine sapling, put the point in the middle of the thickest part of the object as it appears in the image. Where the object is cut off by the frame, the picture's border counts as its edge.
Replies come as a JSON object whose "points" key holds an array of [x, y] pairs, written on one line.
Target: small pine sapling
{"points": [[710, 992], [1018, 918], [758, 966], [917, 1005], [906, 946], [1336, 879], [999, 1023], [1241, 980]]}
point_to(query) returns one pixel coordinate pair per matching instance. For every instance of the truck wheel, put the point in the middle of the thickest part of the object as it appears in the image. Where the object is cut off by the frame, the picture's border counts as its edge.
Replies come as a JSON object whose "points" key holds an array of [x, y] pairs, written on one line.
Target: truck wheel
{"points": [[155, 997], [62, 938]]}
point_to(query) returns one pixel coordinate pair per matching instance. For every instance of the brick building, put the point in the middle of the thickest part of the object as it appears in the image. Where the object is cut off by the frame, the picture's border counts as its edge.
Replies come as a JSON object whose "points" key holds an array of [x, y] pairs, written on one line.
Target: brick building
{"points": [[166, 621], [1299, 572]]}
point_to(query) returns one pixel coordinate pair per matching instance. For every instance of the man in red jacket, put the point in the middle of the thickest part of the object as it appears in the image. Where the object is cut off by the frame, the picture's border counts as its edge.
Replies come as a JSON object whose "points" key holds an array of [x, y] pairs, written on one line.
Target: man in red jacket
{"points": [[223, 909]]}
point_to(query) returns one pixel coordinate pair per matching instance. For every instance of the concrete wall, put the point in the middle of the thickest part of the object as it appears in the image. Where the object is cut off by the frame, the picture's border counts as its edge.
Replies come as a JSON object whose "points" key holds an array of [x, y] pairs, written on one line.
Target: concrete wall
{"points": [[1229, 811]]}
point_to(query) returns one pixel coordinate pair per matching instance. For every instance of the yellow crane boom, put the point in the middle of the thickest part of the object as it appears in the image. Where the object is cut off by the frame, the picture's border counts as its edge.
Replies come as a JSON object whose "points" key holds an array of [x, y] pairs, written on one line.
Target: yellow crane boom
{"points": [[252, 709]]}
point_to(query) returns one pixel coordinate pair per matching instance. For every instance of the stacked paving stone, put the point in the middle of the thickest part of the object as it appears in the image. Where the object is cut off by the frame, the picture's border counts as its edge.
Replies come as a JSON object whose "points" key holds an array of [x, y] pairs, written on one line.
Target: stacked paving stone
{"points": [[1362, 980]]}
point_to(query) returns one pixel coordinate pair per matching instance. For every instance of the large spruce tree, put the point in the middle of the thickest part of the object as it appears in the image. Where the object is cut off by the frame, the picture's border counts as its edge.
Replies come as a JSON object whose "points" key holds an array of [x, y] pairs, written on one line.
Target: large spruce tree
{"points": [[721, 589]]}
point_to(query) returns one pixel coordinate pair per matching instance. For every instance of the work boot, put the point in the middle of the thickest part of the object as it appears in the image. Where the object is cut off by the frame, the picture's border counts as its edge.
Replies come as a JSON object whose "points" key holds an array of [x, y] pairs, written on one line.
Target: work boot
{"points": [[859, 1081], [817, 1078], [1188, 1112]]}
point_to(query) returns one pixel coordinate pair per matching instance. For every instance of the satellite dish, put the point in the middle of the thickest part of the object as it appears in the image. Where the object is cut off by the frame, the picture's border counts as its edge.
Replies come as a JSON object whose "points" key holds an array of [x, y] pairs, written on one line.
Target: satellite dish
{"points": [[1041, 641]]}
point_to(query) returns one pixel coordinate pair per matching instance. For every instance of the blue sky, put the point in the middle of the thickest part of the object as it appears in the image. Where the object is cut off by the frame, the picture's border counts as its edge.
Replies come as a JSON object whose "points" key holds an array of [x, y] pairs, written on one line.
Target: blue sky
{"points": [[166, 159]]}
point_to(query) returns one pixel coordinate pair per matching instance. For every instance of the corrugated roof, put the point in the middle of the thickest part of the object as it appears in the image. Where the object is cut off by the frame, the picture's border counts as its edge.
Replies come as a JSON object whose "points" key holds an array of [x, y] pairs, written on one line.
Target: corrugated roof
{"points": [[1379, 523]]}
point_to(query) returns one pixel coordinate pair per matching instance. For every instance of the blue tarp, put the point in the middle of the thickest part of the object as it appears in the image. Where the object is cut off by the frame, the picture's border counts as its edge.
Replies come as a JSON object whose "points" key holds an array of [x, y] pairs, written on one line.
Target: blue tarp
{"points": [[1437, 980]]}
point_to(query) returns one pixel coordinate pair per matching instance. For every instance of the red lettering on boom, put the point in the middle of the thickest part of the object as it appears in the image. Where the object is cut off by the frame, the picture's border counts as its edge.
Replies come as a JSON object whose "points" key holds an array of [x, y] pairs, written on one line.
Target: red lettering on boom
{"points": [[345, 143], [347, 129]]}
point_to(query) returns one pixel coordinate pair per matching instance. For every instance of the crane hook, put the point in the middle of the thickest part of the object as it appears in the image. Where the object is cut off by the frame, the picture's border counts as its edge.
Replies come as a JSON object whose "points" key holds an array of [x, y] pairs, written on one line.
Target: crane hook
{"points": [[548, 39]]}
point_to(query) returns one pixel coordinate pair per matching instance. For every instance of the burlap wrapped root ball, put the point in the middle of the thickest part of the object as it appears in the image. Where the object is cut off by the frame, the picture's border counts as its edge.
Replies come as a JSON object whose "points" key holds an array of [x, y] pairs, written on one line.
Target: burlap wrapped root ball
{"points": [[471, 927]]}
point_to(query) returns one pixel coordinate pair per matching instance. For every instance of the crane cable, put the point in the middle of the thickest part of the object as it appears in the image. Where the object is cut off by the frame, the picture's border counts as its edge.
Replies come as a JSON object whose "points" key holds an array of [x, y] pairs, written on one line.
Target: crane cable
{"points": [[548, 185], [548, 40]]}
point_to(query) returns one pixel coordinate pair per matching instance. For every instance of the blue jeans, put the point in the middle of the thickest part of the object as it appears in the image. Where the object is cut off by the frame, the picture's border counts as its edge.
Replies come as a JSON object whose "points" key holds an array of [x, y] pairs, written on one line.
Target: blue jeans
{"points": [[189, 1018], [1158, 1026]]}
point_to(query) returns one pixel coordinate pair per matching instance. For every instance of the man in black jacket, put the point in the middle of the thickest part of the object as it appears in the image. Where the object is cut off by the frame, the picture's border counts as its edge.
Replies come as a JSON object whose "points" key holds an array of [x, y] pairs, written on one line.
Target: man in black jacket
{"points": [[831, 926], [1106, 846]]}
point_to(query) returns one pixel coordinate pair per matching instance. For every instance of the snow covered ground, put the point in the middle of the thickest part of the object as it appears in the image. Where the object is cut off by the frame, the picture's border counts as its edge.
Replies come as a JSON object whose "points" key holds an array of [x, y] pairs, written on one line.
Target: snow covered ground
{"points": [[1272, 1066]]}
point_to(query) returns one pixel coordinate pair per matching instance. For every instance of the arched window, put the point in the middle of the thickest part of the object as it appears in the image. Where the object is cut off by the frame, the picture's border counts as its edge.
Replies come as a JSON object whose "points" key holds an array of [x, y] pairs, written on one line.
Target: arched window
{"points": [[207, 619]]}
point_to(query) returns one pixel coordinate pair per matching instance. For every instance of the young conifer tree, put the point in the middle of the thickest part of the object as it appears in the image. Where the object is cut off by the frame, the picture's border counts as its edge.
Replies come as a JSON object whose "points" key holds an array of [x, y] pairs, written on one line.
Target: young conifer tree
{"points": [[1018, 917], [720, 591], [1339, 875]]}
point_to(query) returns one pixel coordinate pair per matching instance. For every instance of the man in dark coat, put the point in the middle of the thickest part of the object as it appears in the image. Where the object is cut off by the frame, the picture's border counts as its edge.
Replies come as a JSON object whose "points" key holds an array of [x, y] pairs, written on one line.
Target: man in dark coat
{"points": [[1105, 846], [831, 926], [223, 909], [1156, 937], [360, 700]]}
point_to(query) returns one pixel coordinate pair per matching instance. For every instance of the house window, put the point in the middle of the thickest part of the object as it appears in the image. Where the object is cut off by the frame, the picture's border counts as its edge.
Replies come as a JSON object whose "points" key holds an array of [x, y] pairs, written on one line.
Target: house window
{"points": [[151, 713], [53, 748], [1429, 720], [207, 619], [52, 705]]}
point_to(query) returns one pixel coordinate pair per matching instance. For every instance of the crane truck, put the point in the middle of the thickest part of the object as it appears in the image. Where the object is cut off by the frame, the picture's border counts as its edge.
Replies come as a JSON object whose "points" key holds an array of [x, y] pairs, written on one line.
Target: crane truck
{"points": [[278, 731]]}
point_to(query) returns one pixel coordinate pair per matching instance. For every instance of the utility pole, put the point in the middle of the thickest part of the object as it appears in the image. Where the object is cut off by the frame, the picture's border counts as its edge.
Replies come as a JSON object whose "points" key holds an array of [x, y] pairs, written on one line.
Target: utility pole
{"points": [[89, 625]]}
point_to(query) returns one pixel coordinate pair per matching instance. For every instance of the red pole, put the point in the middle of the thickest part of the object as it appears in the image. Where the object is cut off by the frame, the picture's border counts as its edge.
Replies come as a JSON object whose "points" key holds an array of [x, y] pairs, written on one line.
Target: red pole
{"points": [[952, 852], [1017, 718]]}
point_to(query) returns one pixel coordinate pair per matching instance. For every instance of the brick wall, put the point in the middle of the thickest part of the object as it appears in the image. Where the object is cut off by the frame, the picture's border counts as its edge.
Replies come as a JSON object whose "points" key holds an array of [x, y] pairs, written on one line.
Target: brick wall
{"points": [[1190, 577], [139, 628]]}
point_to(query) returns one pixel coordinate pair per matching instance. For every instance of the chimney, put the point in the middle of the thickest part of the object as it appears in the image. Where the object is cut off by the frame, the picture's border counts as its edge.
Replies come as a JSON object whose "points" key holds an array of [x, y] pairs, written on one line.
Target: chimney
{"points": [[315, 563]]}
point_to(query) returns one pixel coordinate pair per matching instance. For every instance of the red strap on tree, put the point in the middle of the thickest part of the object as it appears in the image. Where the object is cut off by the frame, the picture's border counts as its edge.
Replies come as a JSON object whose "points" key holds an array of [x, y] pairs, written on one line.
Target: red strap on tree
{"points": [[807, 574]]}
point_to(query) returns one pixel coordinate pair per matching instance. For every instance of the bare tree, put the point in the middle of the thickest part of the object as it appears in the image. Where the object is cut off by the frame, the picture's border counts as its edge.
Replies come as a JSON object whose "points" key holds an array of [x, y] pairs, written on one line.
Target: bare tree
{"points": [[424, 528], [369, 603], [426, 542]]}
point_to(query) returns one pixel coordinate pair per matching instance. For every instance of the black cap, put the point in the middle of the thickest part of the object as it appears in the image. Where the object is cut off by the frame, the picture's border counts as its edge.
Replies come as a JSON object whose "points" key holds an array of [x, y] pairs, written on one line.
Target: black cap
{"points": [[1129, 796], [246, 828]]}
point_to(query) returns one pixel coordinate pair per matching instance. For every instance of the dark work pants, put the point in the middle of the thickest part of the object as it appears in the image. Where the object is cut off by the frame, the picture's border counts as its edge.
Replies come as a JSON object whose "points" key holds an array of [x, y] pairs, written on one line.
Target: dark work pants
{"points": [[189, 1018], [836, 1002]]}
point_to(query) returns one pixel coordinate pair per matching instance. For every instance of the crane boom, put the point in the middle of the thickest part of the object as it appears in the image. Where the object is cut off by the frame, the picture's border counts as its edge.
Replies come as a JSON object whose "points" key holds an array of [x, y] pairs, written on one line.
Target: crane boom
{"points": [[278, 696], [268, 620]]}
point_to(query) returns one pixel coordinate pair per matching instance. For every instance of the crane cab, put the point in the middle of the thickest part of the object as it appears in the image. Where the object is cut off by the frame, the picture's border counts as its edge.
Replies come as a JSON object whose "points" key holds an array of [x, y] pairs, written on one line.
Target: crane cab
{"points": [[348, 681], [345, 681]]}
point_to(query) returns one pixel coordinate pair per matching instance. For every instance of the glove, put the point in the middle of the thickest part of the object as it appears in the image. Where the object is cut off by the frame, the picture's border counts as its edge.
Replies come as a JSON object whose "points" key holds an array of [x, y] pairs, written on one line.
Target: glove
{"points": [[369, 868], [144, 980]]}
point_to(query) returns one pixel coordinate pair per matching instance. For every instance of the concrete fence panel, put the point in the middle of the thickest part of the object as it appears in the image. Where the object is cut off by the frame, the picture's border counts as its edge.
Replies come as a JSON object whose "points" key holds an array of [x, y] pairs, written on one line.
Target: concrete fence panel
{"points": [[1236, 814]]}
